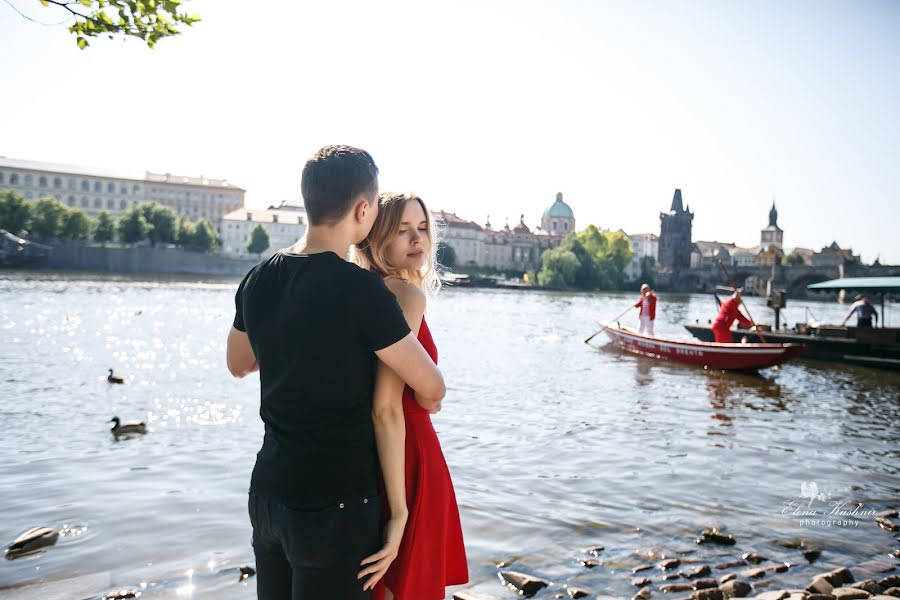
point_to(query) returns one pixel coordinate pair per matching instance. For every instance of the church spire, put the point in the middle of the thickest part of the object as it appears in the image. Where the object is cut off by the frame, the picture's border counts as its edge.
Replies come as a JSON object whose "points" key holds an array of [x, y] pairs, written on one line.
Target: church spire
{"points": [[677, 206], [773, 215]]}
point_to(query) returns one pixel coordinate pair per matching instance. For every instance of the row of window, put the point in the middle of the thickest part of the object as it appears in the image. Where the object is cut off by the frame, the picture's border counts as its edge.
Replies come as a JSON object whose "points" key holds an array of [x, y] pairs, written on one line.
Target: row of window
{"points": [[56, 183]]}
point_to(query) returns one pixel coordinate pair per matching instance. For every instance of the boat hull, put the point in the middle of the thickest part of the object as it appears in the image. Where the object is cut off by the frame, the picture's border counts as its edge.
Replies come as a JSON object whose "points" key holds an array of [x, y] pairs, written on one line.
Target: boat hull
{"points": [[878, 353], [710, 355]]}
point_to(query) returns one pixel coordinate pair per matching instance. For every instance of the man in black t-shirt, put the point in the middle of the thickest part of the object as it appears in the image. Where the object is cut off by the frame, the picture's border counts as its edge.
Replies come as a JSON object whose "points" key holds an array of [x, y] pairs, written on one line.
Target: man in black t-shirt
{"points": [[313, 324]]}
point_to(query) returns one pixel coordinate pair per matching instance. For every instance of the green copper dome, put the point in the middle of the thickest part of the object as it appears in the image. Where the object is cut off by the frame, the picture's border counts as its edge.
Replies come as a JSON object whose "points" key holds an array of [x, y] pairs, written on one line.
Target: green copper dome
{"points": [[559, 209]]}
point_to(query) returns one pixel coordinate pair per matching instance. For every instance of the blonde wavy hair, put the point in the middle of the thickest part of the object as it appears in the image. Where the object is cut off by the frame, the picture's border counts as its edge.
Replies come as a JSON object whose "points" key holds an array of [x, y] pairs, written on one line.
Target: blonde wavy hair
{"points": [[371, 253]]}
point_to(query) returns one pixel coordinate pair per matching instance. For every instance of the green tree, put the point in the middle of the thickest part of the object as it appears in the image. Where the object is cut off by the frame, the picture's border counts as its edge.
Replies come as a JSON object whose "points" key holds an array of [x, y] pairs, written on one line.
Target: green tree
{"points": [[259, 240], [104, 228], [793, 259], [133, 227], [205, 238], [185, 235], [47, 218], [15, 213], [446, 255], [76, 225], [558, 268], [163, 221], [648, 270], [148, 20]]}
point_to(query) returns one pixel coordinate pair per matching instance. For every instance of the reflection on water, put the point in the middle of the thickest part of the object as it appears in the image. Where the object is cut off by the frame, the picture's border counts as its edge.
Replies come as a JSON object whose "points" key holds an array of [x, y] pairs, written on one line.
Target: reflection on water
{"points": [[554, 445]]}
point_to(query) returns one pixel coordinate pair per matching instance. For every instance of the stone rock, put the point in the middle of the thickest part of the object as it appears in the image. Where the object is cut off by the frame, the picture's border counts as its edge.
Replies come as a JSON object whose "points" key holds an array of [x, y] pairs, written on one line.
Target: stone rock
{"points": [[753, 557], [528, 585], [801, 595], [849, 593], [703, 584], [791, 544], [708, 594], [685, 551], [820, 585], [122, 594], [773, 595], [887, 524], [812, 554], [640, 581], [640, 568], [890, 581], [727, 578], [575, 592], [596, 550], [820, 597], [776, 568], [881, 597], [892, 591], [870, 586], [714, 536], [697, 572], [589, 563], [875, 566], [668, 565], [466, 595], [761, 584], [753, 573], [731, 564], [644, 594], [736, 588], [896, 553], [838, 577], [677, 587], [669, 577], [31, 541]]}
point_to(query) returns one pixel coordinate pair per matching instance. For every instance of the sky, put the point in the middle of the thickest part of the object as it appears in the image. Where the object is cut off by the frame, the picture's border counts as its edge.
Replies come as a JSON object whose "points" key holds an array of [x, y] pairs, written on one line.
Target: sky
{"points": [[492, 107]]}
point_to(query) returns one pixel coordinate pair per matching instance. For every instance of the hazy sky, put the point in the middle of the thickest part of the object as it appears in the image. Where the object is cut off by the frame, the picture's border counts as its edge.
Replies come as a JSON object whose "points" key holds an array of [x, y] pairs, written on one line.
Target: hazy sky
{"points": [[493, 107]]}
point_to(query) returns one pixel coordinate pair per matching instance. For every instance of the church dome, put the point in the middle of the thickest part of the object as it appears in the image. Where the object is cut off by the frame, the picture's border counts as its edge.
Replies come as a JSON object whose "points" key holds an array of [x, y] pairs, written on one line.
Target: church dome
{"points": [[559, 209]]}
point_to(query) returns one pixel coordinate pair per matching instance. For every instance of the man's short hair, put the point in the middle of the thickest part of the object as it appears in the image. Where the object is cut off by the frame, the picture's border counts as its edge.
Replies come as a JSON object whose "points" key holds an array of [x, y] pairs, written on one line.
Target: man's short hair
{"points": [[333, 178]]}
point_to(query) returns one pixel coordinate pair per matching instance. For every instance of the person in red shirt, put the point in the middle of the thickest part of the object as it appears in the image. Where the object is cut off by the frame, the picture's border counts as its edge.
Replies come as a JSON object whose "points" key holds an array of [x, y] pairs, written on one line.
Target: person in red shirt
{"points": [[728, 312], [647, 304]]}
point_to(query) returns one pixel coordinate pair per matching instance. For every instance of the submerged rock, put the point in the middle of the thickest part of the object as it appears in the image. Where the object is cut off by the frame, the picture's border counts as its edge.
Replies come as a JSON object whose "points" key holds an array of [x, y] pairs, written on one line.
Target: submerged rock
{"points": [[644, 594], [527, 585], [849, 593], [640, 581], [588, 563], [697, 572], [575, 592], [753, 557], [887, 524], [677, 587], [753, 573], [731, 564], [736, 588], [703, 584], [727, 578], [714, 536], [668, 565], [708, 594]]}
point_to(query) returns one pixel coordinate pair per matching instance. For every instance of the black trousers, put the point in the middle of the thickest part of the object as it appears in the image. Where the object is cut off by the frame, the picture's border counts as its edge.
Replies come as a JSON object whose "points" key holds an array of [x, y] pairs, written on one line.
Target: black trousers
{"points": [[864, 322], [313, 555]]}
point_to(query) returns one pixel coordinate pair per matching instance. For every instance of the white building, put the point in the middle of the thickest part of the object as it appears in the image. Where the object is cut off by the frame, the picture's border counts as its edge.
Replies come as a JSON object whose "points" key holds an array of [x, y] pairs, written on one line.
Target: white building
{"points": [[95, 189], [642, 245], [285, 224]]}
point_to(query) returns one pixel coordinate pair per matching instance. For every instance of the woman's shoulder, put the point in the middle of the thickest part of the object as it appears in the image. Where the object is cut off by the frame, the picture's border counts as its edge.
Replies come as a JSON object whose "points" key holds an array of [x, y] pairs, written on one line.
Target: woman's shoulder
{"points": [[409, 295]]}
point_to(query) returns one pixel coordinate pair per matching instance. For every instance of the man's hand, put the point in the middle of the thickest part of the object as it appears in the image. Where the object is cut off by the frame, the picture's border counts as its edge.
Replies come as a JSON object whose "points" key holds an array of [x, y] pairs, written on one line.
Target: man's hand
{"points": [[377, 564]]}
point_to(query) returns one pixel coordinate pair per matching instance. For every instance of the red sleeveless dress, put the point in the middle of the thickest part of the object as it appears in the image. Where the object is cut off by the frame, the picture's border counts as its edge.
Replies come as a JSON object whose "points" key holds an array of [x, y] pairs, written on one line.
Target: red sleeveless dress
{"points": [[432, 554]]}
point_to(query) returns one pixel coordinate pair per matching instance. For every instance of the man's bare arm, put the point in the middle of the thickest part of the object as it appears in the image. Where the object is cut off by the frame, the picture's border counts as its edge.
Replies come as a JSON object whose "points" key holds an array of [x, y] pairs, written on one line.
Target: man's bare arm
{"points": [[239, 354]]}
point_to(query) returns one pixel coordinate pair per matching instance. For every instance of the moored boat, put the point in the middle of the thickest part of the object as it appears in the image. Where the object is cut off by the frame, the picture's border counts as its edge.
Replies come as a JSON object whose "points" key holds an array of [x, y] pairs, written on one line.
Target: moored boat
{"points": [[710, 355]]}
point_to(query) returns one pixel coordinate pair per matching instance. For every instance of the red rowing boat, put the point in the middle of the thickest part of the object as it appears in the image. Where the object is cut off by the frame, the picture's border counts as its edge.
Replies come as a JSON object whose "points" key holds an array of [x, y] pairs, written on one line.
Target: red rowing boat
{"points": [[709, 355]]}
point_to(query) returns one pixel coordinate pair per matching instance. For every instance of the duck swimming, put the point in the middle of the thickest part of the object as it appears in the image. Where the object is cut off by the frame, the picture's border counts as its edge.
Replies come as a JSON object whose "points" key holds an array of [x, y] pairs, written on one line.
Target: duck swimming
{"points": [[114, 378], [127, 427], [31, 541]]}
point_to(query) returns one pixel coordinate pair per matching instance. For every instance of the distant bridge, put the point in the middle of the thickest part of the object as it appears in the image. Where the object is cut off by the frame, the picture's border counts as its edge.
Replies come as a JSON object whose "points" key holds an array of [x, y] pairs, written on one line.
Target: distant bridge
{"points": [[794, 278]]}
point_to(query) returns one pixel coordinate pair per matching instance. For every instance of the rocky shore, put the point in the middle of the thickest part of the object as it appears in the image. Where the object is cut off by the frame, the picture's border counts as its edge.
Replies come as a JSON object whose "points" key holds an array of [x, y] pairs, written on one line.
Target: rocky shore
{"points": [[716, 566]]}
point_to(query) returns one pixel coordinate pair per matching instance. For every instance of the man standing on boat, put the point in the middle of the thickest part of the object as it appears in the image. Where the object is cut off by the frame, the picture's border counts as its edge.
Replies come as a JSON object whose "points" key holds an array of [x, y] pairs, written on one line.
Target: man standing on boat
{"points": [[647, 304], [728, 312], [864, 312]]}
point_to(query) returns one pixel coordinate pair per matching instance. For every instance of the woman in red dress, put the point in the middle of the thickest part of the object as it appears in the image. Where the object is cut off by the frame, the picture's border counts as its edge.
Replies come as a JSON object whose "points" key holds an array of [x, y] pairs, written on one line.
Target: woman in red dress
{"points": [[431, 554]]}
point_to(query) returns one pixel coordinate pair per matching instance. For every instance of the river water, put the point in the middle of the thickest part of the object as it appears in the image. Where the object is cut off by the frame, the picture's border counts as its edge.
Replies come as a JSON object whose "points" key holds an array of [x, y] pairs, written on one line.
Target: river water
{"points": [[554, 445]]}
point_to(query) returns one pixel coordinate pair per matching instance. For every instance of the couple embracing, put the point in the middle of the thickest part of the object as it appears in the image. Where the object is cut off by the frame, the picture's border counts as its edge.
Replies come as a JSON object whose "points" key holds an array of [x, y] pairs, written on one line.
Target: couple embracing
{"points": [[350, 497]]}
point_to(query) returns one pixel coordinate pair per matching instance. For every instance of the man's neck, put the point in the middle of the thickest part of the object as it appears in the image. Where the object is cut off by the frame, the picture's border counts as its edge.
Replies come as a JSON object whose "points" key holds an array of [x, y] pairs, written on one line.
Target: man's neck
{"points": [[324, 239]]}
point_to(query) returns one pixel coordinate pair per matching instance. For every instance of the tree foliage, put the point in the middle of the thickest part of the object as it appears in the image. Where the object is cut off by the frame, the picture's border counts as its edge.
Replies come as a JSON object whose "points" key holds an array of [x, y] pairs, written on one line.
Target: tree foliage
{"points": [[148, 20], [599, 261], [104, 228], [793, 259], [259, 240], [446, 255], [76, 225], [15, 213], [163, 222], [47, 218], [133, 226], [205, 238]]}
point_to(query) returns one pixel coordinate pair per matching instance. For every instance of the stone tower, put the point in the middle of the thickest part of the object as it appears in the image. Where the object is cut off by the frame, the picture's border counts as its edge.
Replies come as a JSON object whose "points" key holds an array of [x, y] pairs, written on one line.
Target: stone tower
{"points": [[675, 237]]}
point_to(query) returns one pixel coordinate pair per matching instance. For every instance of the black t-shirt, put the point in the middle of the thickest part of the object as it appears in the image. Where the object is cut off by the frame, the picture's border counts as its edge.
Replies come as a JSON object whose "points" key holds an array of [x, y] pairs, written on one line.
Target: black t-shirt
{"points": [[314, 322]]}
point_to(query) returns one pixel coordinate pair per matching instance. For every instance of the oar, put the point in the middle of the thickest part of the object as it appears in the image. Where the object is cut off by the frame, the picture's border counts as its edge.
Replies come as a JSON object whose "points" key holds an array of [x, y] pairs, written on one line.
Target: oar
{"points": [[749, 316], [605, 327]]}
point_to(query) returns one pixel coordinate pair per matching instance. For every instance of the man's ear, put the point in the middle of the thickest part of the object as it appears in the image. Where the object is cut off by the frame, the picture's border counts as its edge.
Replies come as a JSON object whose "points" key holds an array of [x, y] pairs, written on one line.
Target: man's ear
{"points": [[361, 209]]}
